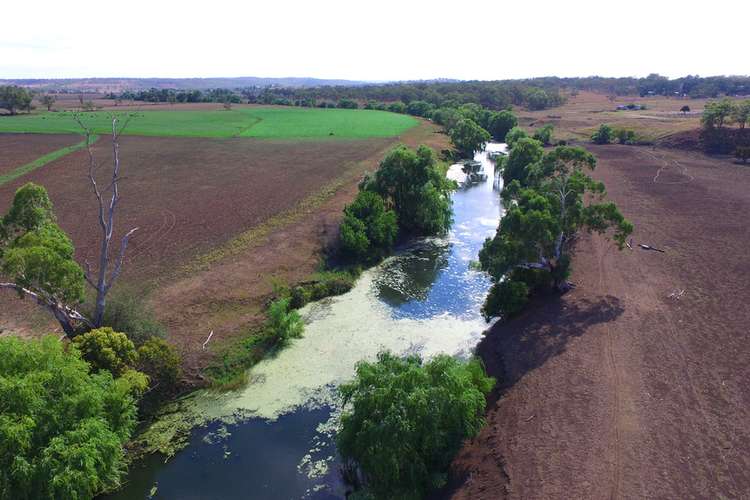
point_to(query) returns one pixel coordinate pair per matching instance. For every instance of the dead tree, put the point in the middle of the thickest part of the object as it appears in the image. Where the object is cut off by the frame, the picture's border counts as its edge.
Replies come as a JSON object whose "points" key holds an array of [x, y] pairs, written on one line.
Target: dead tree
{"points": [[108, 199]]}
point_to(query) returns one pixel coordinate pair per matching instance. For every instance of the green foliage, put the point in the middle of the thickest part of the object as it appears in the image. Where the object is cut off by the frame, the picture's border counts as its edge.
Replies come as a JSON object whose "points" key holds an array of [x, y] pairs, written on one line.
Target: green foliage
{"points": [[468, 137], [35, 253], [549, 199], [419, 108], [283, 322], [260, 122], [126, 312], [161, 362], [447, 117], [544, 135], [685, 109], [106, 349], [525, 152], [368, 230], [15, 99], [505, 299], [412, 183], [404, 420], [741, 113], [537, 99], [323, 284], [603, 135], [61, 428], [513, 135], [625, 136], [716, 113], [397, 107], [501, 123], [347, 104]]}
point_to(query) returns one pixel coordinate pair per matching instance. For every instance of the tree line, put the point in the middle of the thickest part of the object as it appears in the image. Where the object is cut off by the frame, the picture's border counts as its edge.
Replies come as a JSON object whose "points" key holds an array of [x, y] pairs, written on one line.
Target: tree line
{"points": [[717, 135]]}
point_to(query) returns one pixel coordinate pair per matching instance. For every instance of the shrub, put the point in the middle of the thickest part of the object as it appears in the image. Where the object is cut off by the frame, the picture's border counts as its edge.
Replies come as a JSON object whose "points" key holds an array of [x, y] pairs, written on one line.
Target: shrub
{"points": [[514, 135], [544, 135], [368, 230], [397, 107], [126, 312], [106, 349], [62, 427], [404, 420], [603, 135], [161, 362], [348, 104], [625, 136], [283, 322], [506, 299]]}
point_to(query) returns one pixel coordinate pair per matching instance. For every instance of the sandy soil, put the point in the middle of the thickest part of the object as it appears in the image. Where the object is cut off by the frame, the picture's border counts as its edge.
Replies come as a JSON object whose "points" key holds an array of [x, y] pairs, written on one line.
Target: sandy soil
{"points": [[17, 150], [634, 385]]}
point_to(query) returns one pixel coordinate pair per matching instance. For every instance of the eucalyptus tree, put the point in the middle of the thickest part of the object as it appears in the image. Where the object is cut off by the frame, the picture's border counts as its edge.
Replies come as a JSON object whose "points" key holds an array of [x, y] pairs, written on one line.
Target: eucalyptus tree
{"points": [[547, 207]]}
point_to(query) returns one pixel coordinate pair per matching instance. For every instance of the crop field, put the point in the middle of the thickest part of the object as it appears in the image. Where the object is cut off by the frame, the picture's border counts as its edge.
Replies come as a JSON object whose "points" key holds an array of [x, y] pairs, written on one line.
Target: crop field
{"points": [[189, 195], [241, 121], [17, 150]]}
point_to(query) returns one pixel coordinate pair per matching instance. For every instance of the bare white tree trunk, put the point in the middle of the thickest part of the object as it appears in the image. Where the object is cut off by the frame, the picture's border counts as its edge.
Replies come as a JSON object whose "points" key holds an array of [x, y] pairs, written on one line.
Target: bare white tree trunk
{"points": [[107, 210]]}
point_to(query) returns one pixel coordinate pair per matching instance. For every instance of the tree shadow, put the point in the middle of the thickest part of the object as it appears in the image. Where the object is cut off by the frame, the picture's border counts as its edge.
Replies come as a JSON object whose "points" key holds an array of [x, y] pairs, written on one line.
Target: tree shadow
{"points": [[516, 347]]}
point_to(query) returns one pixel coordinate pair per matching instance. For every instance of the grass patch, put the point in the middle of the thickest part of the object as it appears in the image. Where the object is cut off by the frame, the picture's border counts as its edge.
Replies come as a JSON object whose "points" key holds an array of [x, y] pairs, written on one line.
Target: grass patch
{"points": [[42, 161], [229, 369], [259, 122]]}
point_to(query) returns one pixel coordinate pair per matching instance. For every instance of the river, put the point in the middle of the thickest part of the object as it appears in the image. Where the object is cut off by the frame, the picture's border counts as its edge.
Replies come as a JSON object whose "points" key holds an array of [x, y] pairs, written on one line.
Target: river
{"points": [[274, 438]]}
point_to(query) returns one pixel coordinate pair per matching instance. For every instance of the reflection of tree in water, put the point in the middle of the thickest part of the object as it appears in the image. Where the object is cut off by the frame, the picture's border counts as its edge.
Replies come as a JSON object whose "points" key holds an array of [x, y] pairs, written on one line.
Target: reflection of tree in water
{"points": [[410, 276]]}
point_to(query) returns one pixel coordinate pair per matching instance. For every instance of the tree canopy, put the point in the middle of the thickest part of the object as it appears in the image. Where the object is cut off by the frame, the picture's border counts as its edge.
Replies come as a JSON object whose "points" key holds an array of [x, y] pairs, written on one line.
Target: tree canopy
{"points": [[404, 420], [415, 187], [468, 137], [37, 256], [61, 428], [500, 124], [550, 198], [368, 230], [15, 99]]}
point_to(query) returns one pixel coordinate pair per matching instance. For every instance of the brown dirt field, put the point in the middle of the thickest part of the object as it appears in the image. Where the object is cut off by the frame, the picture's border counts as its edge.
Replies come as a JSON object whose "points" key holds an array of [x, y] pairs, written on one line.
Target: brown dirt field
{"points": [[582, 114], [615, 390], [19, 149], [190, 197], [228, 295]]}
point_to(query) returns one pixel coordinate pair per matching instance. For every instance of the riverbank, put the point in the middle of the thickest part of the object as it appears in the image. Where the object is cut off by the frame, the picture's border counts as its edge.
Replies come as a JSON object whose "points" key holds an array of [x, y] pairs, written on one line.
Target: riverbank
{"points": [[226, 291], [634, 383]]}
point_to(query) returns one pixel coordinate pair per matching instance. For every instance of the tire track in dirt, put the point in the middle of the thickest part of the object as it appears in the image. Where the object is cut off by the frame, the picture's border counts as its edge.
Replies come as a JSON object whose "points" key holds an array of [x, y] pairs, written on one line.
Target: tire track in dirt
{"points": [[613, 374]]}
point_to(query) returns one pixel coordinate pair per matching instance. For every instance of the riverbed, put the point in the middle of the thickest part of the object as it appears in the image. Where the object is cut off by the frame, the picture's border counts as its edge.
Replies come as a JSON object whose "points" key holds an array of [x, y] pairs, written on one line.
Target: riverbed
{"points": [[275, 437]]}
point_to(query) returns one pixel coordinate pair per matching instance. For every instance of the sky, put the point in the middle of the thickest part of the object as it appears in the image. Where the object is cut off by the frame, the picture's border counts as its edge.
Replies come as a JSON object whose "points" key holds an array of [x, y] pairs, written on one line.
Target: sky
{"points": [[377, 40]]}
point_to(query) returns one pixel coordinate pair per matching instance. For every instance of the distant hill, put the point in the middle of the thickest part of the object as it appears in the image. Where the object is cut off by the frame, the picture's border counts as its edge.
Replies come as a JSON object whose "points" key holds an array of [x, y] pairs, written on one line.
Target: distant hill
{"points": [[104, 85]]}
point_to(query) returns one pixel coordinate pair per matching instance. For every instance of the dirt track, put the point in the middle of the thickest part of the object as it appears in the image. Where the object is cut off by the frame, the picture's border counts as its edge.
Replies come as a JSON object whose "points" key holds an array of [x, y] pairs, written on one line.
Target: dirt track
{"points": [[617, 390]]}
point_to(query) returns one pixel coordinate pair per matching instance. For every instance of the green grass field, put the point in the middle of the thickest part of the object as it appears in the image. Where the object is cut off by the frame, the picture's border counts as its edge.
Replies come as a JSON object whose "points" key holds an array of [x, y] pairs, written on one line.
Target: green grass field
{"points": [[266, 123]]}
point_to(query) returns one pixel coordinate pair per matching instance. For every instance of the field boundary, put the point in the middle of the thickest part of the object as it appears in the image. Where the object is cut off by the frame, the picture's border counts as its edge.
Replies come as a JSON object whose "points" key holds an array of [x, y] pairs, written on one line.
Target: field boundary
{"points": [[42, 161]]}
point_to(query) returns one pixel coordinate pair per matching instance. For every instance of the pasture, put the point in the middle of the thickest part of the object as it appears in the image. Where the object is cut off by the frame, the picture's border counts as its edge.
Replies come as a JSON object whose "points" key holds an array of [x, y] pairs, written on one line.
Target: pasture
{"points": [[241, 121]]}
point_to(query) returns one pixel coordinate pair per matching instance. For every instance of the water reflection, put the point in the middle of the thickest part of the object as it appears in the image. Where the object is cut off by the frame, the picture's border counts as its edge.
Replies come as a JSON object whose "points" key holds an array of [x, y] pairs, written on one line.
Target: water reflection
{"points": [[278, 437]]}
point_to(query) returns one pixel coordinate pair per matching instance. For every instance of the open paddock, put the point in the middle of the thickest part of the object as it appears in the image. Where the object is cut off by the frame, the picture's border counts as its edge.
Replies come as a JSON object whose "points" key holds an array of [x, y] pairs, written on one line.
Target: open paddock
{"points": [[188, 195], [17, 150]]}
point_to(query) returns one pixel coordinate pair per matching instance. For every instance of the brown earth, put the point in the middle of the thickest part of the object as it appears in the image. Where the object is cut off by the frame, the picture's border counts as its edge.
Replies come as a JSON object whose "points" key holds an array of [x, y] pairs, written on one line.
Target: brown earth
{"points": [[582, 114], [227, 295], [17, 150], [634, 384], [218, 219]]}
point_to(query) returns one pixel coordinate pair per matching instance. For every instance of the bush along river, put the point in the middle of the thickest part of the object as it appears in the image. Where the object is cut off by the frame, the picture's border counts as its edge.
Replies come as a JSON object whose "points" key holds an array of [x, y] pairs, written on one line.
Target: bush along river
{"points": [[275, 438]]}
